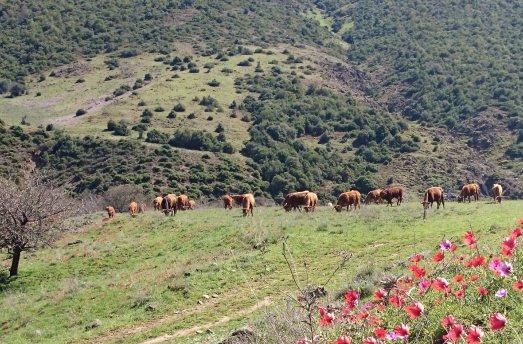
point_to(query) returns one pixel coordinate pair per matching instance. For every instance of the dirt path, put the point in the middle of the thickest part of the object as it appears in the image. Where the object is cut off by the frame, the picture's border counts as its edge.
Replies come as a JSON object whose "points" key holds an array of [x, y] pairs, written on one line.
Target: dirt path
{"points": [[223, 320], [122, 333]]}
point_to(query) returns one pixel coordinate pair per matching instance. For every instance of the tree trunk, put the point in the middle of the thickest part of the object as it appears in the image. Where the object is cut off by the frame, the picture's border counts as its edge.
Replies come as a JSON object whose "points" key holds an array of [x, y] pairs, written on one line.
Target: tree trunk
{"points": [[16, 260]]}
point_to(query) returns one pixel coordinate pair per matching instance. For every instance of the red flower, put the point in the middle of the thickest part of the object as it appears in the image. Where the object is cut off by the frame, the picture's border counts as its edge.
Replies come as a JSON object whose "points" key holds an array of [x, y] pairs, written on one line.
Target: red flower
{"points": [[438, 257], [371, 340], [482, 291], [417, 272], [448, 321], [441, 284], [517, 232], [351, 299], [416, 258], [476, 261], [497, 321], [326, 318], [469, 239], [518, 285], [474, 278], [402, 331], [507, 246], [458, 278], [415, 310], [343, 340], [453, 247], [380, 294], [380, 332], [474, 335], [454, 333], [459, 293], [396, 301]]}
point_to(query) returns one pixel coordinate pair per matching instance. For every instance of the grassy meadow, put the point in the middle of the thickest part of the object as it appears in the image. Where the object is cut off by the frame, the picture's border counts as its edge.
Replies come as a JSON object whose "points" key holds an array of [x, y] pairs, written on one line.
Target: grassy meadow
{"points": [[172, 279]]}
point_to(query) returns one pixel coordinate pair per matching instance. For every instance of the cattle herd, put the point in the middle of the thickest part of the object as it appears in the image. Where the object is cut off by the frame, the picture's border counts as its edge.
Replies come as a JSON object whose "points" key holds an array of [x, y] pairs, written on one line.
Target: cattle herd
{"points": [[307, 200]]}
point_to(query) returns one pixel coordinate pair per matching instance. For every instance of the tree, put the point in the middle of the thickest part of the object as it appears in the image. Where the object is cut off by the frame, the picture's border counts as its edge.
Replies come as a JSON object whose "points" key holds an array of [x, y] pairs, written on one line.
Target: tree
{"points": [[120, 196], [31, 214]]}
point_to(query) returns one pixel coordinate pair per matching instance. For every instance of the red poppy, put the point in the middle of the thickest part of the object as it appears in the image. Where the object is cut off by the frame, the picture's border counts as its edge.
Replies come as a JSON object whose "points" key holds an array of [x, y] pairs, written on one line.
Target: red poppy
{"points": [[326, 318], [448, 321], [507, 246], [441, 284], [438, 257], [380, 294], [380, 332], [371, 340], [497, 321], [417, 272], [396, 301], [476, 261], [402, 331], [516, 233], [458, 278], [518, 285], [351, 299], [474, 278], [415, 310], [453, 247], [459, 293], [482, 291], [343, 340], [474, 335], [469, 239], [454, 333], [416, 258]]}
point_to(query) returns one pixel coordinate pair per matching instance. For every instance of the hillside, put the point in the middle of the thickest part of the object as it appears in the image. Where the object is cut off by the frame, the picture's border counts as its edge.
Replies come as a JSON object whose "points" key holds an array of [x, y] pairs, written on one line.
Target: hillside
{"points": [[147, 277], [324, 95]]}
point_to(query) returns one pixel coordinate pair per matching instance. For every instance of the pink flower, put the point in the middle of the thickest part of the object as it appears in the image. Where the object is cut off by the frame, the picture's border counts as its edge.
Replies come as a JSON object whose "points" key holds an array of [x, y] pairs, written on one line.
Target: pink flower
{"points": [[454, 333], [351, 299], [497, 321], [326, 318], [416, 258], [402, 331], [474, 335], [469, 239], [482, 291], [507, 246], [343, 340], [516, 233], [441, 284], [501, 293], [380, 294], [424, 284], [371, 340], [445, 245], [448, 321], [500, 268], [415, 310]]}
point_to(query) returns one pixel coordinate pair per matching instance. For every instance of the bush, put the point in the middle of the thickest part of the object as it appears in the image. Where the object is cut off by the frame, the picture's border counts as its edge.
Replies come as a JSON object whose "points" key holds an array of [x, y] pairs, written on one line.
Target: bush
{"points": [[196, 140], [179, 108], [111, 125], [244, 63], [121, 129], [155, 136], [120, 196], [214, 83], [80, 112], [159, 109]]}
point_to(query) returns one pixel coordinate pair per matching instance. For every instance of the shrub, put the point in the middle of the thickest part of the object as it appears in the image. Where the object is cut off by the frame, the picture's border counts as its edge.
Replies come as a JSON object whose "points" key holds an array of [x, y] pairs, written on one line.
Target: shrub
{"points": [[121, 90], [80, 112], [121, 129], [155, 136], [214, 83], [244, 63], [111, 125], [159, 109], [120, 196], [196, 140], [179, 108]]}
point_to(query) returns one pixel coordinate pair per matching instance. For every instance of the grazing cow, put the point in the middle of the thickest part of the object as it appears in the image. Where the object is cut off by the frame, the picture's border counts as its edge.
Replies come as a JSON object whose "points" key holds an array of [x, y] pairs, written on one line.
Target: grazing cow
{"points": [[182, 202], [227, 202], [374, 196], [192, 205], [469, 190], [497, 191], [169, 204], [346, 199], [295, 200], [247, 204], [110, 211], [390, 193], [158, 203], [133, 208], [433, 194], [143, 207]]}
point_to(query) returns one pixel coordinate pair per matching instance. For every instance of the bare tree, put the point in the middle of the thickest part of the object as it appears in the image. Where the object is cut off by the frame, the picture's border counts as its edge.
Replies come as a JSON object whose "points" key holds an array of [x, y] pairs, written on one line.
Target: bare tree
{"points": [[120, 196], [31, 214]]}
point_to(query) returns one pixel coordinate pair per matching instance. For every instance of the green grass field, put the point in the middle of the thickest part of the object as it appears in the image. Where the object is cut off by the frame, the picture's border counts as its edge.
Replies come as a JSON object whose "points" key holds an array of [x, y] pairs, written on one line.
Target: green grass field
{"points": [[122, 268]]}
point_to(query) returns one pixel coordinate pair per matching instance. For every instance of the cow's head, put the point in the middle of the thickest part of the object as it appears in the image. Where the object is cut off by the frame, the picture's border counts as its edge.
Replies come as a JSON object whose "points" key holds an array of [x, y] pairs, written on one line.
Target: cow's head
{"points": [[337, 208], [287, 206], [425, 204]]}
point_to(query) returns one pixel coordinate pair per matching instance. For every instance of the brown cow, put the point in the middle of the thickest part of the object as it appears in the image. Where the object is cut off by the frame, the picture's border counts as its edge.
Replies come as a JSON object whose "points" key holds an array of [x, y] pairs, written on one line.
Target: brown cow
{"points": [[158, 203], [192, 205], [390, 193], [110, 211], [497, 191], [433, 194], [143, 207], [374, 196], [169, 204], [295, 200], [346, 199], [182, 202], [227, 202], [248, 204], [312, 201], [133, 208], [469, 190]]}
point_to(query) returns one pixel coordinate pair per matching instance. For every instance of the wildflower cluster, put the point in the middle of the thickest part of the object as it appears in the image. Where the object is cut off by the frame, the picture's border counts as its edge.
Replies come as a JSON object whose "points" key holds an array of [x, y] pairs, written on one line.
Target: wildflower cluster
{"points": [[462, 293]]}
